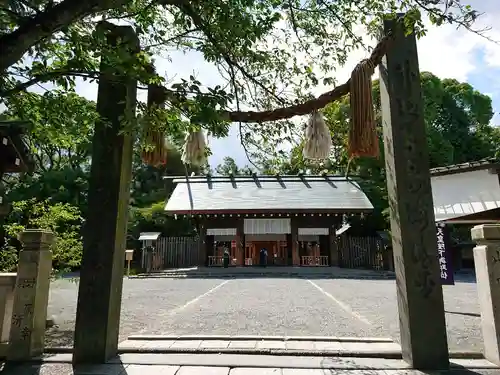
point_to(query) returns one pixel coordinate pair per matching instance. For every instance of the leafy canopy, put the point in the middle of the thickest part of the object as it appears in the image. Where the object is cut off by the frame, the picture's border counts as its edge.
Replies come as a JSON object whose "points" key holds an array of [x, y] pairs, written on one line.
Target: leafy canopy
{"points": [[457, 119], [272, 52]]}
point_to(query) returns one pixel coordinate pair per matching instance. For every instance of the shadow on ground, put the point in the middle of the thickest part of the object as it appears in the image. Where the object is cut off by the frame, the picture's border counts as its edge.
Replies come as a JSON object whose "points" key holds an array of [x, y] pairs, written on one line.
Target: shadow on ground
{"points": [[61, 369], [60, 338]]}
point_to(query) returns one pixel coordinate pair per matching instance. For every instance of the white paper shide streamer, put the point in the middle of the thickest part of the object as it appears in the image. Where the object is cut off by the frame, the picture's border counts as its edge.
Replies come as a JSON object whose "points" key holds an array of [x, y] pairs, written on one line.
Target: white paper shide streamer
{"points": [[194, 152], [318, 141]]}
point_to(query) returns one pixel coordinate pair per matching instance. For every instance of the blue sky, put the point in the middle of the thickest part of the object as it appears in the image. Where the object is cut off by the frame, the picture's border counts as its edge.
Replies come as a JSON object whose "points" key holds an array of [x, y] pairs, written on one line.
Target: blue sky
{"points": [[444, 51]]}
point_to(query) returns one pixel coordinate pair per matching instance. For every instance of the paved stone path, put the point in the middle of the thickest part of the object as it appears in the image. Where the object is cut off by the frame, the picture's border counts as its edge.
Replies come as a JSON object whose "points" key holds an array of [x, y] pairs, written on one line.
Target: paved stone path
{"points": [[276, 307], [214, 364]]}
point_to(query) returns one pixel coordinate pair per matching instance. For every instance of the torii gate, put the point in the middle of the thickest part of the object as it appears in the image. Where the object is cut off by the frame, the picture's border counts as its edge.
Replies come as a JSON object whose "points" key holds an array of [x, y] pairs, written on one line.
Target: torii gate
{"points": [[420, 297]]}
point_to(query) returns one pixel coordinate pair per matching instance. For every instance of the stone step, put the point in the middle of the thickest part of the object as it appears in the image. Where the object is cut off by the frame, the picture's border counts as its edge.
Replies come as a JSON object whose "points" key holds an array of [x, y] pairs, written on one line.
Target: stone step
{"points": [[256, 364], [319, 272], [146, 337], [273, 345], [263, 273]]}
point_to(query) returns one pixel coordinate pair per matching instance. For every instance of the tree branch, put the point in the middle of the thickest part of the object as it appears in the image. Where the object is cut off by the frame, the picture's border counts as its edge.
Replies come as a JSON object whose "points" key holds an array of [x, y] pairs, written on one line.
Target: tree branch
{"points": [[171, 39], [251, 116], [188, 10], [14, 16], [310, 105], [46, 77], [44, 24], [29, 6]]}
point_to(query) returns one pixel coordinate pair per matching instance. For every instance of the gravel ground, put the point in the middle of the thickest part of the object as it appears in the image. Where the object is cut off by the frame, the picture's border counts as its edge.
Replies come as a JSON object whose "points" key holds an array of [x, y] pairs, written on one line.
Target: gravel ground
{"points": [[267, 307], [375, 300]]}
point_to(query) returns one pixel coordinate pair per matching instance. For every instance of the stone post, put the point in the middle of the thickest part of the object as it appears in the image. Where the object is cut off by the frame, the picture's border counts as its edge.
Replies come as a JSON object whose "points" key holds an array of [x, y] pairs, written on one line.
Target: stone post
{"points": [[240, 242], [332, 243], [294, 224], [487, 264], [202, 245], [31, 297], [419, 293], [104, 239], [388, 259], [7, 287]]}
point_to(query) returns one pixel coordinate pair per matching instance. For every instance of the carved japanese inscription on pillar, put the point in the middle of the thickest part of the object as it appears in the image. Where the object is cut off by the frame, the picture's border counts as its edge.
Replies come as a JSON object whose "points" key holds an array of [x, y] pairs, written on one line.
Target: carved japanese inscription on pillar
{"points": [[423, 340], [31, 298]]}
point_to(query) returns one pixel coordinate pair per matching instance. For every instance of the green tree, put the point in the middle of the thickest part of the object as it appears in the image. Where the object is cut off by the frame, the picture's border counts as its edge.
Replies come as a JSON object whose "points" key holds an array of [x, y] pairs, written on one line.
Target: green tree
{"points": [[457, 118], [149, 193], [272, 53], [46, 41], [61, 127], [60, 140], [63, 220], [229, 167]]}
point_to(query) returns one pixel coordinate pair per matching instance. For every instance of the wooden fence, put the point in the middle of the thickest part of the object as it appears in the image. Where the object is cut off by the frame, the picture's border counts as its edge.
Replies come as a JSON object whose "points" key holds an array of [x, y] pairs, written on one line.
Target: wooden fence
{"points": [[172, 252], [182, 252], [361, 252]]}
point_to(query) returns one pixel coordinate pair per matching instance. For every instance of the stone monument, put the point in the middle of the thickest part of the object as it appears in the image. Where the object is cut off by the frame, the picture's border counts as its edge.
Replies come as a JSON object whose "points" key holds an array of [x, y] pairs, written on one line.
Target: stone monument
{"points": [[31, 296], [487, 264]]}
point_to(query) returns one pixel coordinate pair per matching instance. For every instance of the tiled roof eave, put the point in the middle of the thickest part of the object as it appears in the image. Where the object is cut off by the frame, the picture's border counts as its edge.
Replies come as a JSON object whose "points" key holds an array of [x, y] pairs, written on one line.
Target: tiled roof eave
{"points": [[466, 167], [282, 211]]}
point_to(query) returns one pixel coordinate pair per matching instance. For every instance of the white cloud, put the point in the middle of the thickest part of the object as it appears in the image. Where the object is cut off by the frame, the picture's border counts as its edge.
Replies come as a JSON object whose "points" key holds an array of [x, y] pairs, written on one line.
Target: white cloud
{"points": [[444, 51]]}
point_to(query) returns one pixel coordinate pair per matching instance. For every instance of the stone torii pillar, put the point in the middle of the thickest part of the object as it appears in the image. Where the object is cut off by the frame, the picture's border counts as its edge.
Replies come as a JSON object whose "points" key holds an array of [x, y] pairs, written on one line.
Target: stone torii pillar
{"points": [[102, 271], [419, 292]]}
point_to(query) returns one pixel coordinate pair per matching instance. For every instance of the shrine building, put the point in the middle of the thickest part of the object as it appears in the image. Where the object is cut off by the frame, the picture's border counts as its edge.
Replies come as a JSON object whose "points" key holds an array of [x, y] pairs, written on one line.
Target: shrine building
{"points": [[295, 218]]}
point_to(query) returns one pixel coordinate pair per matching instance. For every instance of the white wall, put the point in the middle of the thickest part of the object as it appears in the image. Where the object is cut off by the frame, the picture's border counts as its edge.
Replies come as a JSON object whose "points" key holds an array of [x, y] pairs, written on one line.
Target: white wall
{"points": [[466, 193]]}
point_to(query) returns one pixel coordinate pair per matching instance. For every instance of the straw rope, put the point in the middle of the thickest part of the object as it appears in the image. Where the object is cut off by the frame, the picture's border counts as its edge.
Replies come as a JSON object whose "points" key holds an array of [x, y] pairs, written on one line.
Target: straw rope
{"points": [[311, 105], [363, 139], [155, 151]]}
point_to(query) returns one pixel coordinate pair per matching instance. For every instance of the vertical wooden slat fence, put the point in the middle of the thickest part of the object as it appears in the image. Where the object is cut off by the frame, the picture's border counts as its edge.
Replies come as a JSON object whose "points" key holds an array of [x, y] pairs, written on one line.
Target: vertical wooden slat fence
{"points": [[361, 252], [174, 252]]}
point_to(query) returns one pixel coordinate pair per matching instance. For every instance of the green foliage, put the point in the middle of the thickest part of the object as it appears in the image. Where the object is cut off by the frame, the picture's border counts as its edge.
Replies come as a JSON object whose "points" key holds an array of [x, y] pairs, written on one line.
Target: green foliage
{"points": [[60, 140], [8, 258], [62, 127], [153, 219], [272, 52], [229, 167], [457, 119], [63, 220]]}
